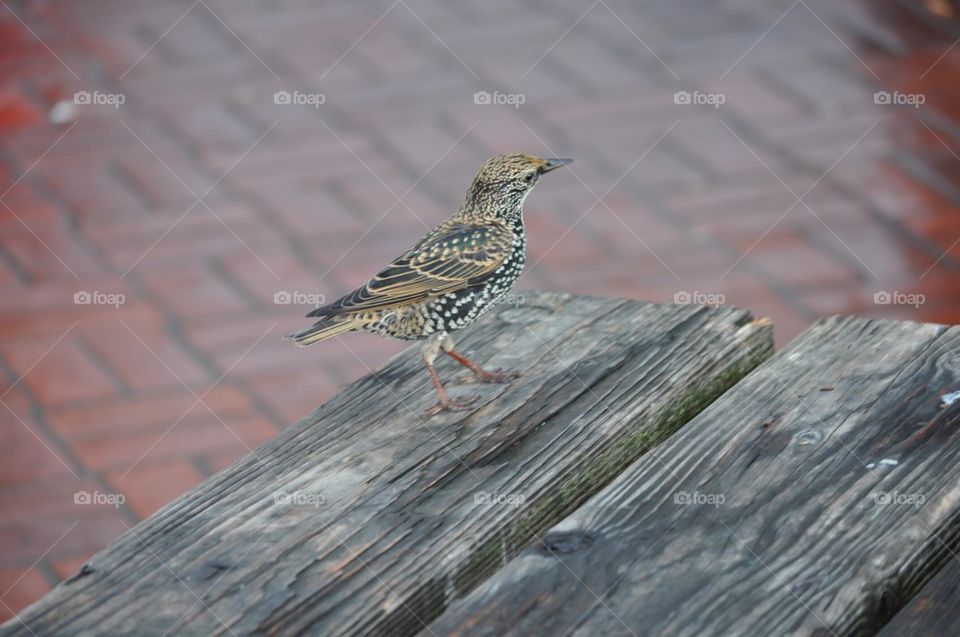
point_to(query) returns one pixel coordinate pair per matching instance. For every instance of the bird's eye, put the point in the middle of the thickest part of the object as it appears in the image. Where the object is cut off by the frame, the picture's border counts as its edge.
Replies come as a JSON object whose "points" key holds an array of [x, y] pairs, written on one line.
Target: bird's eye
{"points": [[529, 178]]}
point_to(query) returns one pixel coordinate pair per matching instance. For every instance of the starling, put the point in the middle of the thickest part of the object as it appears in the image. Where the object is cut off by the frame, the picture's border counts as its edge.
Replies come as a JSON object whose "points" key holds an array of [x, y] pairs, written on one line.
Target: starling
{"points": [[448, 279]]}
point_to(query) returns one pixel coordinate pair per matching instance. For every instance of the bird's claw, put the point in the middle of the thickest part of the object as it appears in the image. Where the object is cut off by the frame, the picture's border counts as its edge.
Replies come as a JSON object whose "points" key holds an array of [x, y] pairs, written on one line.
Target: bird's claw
{"points": [[495, 376], [451, 405]]}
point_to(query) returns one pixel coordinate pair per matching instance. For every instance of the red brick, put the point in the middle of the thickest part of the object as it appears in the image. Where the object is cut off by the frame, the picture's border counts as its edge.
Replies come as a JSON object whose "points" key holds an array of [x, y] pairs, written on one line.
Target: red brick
{"points": [[317, 217], [42, 312], [273, 356], [628, 224], [151, 485], [829, 300], [57, 372], [88, 529], [16, 111], [795, 261], [50, 256], [180, 86], [294, 396], [148, 359], [198, 236], [29, 453], [787, 323], [90, 186], [194, 291], [51, 498], [377, 204], [552, 245], [175, 184], [146, 411], [399, 99], [95, 141], [323, 156], [25, 205], [21, 588], [121, 451], [939, 223], [304, 288]]}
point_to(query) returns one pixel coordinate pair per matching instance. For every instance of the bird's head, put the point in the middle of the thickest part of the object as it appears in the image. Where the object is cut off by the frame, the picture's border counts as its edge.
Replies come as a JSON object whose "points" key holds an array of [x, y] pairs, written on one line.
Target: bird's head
{"points": [[504, 181]]}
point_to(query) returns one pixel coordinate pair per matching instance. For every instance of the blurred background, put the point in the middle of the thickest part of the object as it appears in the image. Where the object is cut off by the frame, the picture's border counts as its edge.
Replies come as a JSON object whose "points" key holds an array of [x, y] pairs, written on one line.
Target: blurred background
{"points": [[180, 182]]}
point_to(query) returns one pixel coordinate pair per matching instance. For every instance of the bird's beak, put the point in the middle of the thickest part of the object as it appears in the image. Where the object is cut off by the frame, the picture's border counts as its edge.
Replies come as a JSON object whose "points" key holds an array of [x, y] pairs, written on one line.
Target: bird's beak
{"points": [[552, 164]]}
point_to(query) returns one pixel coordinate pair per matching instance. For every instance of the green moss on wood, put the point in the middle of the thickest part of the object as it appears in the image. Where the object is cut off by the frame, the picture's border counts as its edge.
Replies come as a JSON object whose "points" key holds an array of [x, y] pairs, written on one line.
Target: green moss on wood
{"points": [[595, 473]]}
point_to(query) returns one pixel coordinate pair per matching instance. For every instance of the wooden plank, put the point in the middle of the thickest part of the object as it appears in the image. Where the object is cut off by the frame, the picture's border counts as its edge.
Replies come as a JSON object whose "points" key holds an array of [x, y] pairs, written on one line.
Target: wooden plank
{"points": [[391, 517], [933, 611], [813, 498]]}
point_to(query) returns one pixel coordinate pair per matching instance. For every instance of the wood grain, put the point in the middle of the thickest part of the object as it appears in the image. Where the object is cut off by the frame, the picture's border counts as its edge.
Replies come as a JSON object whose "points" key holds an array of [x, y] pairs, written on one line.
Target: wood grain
{"points": [[364, 518], [932, 611], [813, 498]]}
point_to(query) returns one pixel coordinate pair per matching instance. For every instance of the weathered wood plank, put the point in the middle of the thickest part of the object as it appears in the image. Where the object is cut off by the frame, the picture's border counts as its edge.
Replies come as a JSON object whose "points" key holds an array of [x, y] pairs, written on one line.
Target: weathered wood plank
{"points": [[813, 498], [392, 524], [933, 611]]}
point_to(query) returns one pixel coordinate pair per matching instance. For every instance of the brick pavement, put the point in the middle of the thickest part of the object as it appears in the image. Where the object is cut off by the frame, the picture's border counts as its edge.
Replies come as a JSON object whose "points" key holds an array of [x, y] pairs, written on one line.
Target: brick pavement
{"points": [[199, 198]]}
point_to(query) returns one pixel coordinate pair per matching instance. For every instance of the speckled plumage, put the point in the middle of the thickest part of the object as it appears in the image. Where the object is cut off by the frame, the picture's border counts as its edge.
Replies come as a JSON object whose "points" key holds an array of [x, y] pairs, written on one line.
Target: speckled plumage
{"points": [[451, 276], [442, 284]]}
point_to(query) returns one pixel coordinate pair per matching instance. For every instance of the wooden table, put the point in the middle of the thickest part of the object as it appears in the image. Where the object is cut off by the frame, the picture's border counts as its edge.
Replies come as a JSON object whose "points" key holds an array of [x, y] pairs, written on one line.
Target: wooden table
{"points": [[631, 482], [814, 498]]}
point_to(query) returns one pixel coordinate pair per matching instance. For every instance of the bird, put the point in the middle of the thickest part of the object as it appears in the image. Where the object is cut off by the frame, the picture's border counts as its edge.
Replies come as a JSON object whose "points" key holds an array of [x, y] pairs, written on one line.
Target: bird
{"points": [[445, 282]]}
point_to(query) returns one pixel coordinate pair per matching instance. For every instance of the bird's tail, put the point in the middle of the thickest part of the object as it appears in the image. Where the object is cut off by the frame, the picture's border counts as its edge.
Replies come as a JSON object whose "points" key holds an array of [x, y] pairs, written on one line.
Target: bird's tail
{"points": [[321, 330]]}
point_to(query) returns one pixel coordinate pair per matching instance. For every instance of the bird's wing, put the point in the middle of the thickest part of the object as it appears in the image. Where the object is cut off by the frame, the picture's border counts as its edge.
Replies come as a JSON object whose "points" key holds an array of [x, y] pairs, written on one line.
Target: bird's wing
{"points": [[452, 257]]}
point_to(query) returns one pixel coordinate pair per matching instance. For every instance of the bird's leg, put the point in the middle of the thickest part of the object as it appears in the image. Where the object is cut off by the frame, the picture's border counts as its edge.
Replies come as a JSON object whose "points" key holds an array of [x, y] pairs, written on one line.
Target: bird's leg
{"points": [[429, 351], [479, 374]]}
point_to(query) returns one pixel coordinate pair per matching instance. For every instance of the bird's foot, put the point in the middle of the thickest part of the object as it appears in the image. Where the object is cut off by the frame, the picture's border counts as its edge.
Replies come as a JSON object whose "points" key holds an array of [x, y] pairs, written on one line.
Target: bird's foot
{"points": [[494, 376], [451, 405]]}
